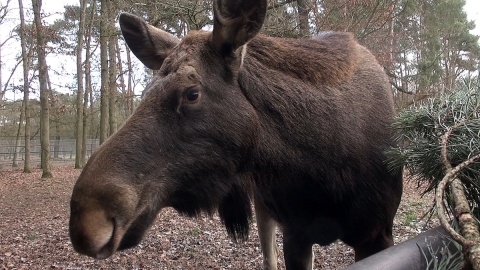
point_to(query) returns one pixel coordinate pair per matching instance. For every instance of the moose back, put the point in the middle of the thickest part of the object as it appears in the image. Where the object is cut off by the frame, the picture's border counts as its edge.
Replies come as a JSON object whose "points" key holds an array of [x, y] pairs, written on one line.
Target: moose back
{"points": [[300, 126]]}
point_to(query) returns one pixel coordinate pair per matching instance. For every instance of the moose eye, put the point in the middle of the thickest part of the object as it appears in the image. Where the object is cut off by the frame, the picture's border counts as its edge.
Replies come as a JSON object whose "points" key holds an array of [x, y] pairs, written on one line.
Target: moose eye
{"points": [[191, 95]]}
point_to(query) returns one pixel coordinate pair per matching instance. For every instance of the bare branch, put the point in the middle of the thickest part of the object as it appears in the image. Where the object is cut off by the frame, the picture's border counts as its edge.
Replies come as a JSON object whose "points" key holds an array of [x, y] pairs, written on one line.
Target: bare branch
{"points": [[470, 240], [448, 178], [277, 5]]}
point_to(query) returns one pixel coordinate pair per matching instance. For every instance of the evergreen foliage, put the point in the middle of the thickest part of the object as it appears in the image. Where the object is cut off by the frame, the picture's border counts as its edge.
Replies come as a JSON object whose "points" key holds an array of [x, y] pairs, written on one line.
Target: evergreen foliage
{"points": [[420, 130]]}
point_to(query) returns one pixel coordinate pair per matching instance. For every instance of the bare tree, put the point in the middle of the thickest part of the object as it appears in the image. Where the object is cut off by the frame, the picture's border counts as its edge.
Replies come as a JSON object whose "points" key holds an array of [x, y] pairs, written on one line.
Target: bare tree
{"points": [[79, 118], [44, 91], [303, 10], [26, 89], [122, 80], [18, 137], [129, 82], [104, 93], [88, 82], [112, 68]]}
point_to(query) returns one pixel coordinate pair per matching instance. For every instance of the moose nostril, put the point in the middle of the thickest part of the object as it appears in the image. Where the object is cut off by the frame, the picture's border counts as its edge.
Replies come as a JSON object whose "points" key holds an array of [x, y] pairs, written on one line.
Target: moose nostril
{"points": [[92, 234]]}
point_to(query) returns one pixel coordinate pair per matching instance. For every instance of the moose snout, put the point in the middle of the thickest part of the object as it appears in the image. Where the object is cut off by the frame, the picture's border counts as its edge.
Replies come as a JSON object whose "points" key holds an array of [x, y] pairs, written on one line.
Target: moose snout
{"points": [[101, 221], [92, 233]]}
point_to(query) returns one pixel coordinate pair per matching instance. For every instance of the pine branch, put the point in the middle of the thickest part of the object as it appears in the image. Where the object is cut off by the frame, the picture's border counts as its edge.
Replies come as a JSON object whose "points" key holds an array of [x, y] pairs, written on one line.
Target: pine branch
{"points": [[470, 240], [438, 140]]}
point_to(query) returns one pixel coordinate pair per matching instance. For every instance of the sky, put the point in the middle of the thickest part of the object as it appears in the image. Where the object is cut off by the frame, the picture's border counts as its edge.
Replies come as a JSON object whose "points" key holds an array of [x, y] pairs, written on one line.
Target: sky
{"points": [[472, 8], [55, 7]]}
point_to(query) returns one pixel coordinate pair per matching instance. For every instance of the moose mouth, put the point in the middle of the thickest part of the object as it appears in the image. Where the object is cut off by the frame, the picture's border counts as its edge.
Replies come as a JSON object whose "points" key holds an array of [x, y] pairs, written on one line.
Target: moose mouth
{"points": [[135, 232], [101, 242], [106, 251], [131, 238]]}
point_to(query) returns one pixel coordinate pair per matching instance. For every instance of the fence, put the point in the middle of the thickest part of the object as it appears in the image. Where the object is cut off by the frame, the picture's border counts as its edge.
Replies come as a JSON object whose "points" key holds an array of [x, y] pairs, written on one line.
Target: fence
{"points": [[61, 151]]}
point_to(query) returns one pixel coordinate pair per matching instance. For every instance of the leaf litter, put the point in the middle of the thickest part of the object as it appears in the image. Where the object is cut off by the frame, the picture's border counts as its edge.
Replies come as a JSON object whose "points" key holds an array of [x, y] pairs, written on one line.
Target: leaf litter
{"points": [[34, 216]]}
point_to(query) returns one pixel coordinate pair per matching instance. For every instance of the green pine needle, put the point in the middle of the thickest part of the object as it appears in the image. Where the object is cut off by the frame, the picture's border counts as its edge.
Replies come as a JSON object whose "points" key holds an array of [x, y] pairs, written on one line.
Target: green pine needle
{"points": [[419, 133]]}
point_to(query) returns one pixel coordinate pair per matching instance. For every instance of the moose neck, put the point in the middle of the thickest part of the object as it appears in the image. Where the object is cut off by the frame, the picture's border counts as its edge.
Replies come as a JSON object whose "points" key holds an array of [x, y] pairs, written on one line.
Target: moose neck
{"points": [[303, 92], [331, 57]]}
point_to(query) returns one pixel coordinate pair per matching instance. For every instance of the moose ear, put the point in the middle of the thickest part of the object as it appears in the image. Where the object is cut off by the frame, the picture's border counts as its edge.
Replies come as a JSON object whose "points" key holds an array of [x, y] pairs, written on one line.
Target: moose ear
{"points": [[148, 43], [236, 22]]}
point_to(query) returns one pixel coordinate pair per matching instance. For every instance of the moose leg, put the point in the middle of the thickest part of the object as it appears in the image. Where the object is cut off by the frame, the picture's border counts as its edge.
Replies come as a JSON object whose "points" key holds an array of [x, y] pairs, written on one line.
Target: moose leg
{"points": [[381, 242], [266, 232], [298, 254]]}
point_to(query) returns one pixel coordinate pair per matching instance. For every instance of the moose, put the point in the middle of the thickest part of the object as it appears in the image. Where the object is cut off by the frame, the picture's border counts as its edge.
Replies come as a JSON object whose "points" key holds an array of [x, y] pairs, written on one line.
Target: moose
{"points": [[298, 127]]}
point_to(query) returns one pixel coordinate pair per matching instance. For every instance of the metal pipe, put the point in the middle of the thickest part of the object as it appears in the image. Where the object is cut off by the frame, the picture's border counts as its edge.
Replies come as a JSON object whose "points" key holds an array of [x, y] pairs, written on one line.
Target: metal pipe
{"points": [[412, 254]]}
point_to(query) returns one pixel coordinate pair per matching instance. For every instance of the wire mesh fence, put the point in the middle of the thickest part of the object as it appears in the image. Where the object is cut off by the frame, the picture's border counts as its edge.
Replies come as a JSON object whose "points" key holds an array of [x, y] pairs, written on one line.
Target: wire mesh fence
{"points": [[62, 151]]}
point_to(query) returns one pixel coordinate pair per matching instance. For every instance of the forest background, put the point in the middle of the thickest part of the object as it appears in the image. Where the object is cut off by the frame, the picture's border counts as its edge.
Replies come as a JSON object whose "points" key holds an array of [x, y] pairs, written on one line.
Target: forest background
{"points": [[67, 81]]}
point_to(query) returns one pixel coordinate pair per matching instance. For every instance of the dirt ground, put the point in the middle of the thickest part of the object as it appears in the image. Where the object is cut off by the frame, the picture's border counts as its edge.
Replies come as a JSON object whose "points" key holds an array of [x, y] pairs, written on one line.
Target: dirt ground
{"points": [[34, 232]]}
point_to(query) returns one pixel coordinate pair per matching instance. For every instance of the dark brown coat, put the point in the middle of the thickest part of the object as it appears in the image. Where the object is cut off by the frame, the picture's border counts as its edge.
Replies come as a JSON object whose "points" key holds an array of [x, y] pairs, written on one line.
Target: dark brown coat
{"points": [[300, 124]]}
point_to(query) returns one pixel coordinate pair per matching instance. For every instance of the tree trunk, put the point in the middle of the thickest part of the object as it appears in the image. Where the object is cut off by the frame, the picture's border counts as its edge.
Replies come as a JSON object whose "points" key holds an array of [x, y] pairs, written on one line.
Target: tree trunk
{"points": [[129, 83], [83, 154], [122, 80], [56, 144], [56, 118], [112, 69], [56, 121], [88, 85], [19, 133], [392, 51], [26, 93], [104, 93], [44, 108], [94, 129], [303, 11], [79, 118]]}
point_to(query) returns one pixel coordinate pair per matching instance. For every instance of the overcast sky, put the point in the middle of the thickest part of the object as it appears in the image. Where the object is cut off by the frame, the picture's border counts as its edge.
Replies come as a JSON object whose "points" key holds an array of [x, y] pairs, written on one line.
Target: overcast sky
{"points": [[472, 8]]}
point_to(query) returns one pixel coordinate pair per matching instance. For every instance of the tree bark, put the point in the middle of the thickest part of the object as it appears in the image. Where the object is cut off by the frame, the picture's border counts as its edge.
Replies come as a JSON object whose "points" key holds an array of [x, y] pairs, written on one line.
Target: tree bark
{"points": [[129, 83], [79, 118], [44, 92], [122, 80], [56, 121], [470, 234], [26, 90], [112, 70], [468, 223], [303, 11], [104, 89], [19, 133], [88, 85]]}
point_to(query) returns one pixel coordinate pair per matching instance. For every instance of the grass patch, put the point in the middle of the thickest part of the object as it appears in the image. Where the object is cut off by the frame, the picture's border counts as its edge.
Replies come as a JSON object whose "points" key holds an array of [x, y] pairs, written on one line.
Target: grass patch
{"points": [[410, 218], [32, 237], [195, 231]]}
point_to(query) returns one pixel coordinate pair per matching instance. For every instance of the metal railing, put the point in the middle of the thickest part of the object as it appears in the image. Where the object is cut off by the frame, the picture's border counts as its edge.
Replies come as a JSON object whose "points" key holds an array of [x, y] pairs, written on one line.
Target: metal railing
{"points": [[61, 150]]}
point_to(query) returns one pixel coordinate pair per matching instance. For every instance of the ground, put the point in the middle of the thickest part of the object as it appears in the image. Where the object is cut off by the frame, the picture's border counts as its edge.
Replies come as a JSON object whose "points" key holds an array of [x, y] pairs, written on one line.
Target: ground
{"points": [[34, 232]]}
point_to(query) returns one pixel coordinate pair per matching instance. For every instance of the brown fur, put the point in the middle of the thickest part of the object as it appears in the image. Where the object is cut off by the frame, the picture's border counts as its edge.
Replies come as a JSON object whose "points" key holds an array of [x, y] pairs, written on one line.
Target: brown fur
{"points": [[302, 125], [334, 59]]}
